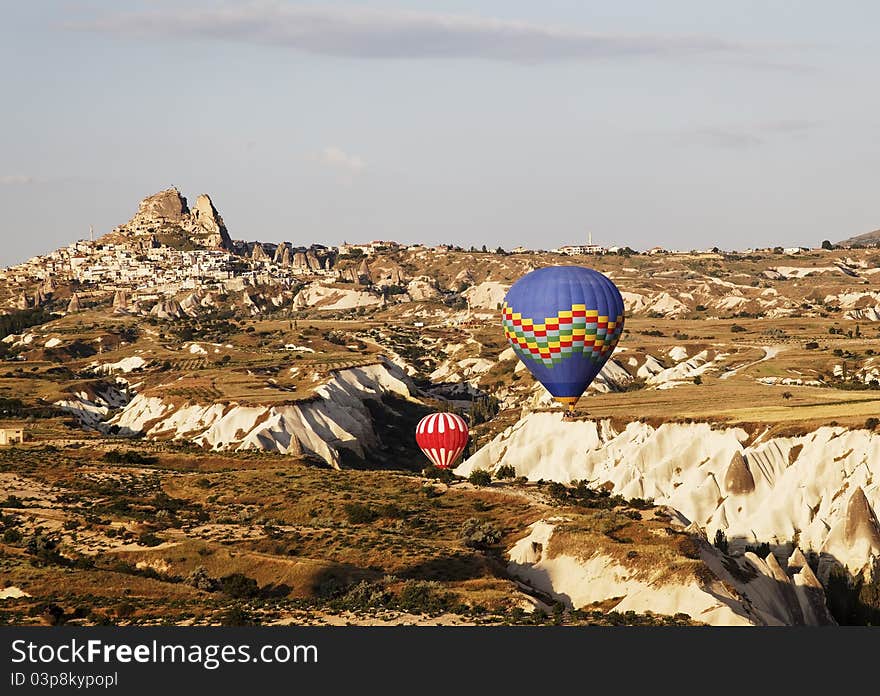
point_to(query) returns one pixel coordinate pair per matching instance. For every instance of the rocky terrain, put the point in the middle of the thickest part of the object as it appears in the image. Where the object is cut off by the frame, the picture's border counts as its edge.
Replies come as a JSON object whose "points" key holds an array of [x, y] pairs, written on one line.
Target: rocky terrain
{"points": [[227, 425]]}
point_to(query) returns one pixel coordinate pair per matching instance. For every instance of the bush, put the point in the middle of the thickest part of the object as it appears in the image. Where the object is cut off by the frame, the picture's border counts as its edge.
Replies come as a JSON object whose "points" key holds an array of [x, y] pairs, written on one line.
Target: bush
{"points": [[44, 548], [239, 586], [811, 345], [200, 579], [505, 472], [128, 457], [721, 542], [423, 596], [872, 423], [149, 539], [358, 513], [736, 328], [480, 535], [13, 501], [435, 472], [480, 477], [237, 616], [11, 536]]}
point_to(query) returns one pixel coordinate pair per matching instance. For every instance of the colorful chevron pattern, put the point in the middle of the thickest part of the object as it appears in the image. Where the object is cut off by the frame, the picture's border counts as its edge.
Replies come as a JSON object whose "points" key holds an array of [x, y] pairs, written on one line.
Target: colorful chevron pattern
{"points": [[571, 332]]}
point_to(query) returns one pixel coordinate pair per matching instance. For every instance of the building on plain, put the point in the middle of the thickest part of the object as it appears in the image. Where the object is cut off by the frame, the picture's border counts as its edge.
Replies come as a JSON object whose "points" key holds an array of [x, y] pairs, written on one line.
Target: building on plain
{"points": [[11, 436]]}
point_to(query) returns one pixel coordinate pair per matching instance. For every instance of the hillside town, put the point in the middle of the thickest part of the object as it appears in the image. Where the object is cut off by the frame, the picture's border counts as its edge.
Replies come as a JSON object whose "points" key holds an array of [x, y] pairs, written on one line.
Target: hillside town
{"points": [[167, 249]]}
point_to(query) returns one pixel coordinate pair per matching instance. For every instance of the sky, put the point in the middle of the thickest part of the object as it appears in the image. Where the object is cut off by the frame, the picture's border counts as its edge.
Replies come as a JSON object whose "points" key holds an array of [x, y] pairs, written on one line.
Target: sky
{"points": [[686, 124]]}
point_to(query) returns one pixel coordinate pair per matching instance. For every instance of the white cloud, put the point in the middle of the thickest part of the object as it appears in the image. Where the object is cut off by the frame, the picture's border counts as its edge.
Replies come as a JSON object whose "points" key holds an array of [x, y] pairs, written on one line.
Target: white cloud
{"points": [[339, 159], [373, 33], [15, 179]]}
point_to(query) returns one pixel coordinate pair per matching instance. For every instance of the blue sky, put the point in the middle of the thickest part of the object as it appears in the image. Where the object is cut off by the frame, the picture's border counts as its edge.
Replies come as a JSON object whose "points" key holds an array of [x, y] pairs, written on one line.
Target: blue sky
{"points": [[684, 123]]}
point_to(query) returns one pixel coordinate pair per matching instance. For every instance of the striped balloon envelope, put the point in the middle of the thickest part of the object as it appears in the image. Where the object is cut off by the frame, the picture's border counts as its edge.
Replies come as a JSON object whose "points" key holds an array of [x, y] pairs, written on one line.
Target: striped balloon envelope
{"points": [[563, 323], [442, 437]]}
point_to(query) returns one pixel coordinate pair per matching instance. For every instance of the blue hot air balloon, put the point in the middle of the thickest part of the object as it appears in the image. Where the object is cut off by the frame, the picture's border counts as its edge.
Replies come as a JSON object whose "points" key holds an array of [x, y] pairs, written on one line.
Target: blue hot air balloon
{"points": [[563, 322]]}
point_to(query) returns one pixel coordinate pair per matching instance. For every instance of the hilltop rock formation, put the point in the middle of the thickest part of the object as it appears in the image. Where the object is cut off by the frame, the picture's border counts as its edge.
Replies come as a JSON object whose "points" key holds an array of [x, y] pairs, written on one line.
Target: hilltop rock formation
{"points": [[166, 218]]}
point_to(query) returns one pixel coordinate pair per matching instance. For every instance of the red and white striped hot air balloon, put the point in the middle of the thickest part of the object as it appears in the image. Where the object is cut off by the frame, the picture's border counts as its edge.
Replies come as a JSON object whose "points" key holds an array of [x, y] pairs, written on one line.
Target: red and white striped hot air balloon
{"points": [[442, 437]]}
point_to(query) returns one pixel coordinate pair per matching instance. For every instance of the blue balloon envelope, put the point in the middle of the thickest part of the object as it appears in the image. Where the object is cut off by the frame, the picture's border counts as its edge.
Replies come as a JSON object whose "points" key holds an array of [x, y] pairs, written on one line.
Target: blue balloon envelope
{"points": [[563, 322]]}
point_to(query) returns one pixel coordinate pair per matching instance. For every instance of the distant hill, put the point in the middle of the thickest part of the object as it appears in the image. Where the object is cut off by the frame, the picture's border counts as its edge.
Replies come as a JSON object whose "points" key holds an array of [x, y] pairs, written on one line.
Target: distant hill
{"points": [[862, 240]]}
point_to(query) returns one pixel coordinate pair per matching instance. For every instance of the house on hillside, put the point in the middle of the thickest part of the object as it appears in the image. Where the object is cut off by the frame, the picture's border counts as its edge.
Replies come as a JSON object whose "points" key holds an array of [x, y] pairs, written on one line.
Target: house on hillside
{"points": [[580, 249], [11, 436]]}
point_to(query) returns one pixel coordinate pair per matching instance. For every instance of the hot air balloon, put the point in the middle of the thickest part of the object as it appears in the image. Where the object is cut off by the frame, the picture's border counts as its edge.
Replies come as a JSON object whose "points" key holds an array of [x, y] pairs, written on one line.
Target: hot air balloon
{"points": [[563, 322], [442, 437]]}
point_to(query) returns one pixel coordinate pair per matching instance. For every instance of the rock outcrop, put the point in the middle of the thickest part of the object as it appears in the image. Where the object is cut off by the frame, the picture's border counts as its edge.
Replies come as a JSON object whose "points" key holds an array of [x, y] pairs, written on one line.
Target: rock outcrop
{"points": [[336, 419], [706, 584], [818, 489], [167, 309], [258, 253], [166, 218], [738, 479]]}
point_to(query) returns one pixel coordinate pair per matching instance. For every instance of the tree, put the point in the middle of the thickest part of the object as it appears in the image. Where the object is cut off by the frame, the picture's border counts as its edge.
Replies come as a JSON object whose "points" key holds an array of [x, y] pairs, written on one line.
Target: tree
{"points": [[827, 245], [479, 535], [200, 579], [721, 542], [239, 586], [480, 477]]}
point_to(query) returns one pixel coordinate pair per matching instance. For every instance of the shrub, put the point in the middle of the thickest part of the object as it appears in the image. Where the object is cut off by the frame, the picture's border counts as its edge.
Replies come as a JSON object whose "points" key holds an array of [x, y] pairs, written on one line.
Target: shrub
{"points": [[505, 472], [11, 536], [424, 596], [480, 477], [358, 513], [149, 539], [721, 542], [44, 548], [811, 345], [434, 472], [128, 457], [872, 423], [736, 328], [237, 615], [200, 579], [239, 586], [480, 535], [13, 501]]}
